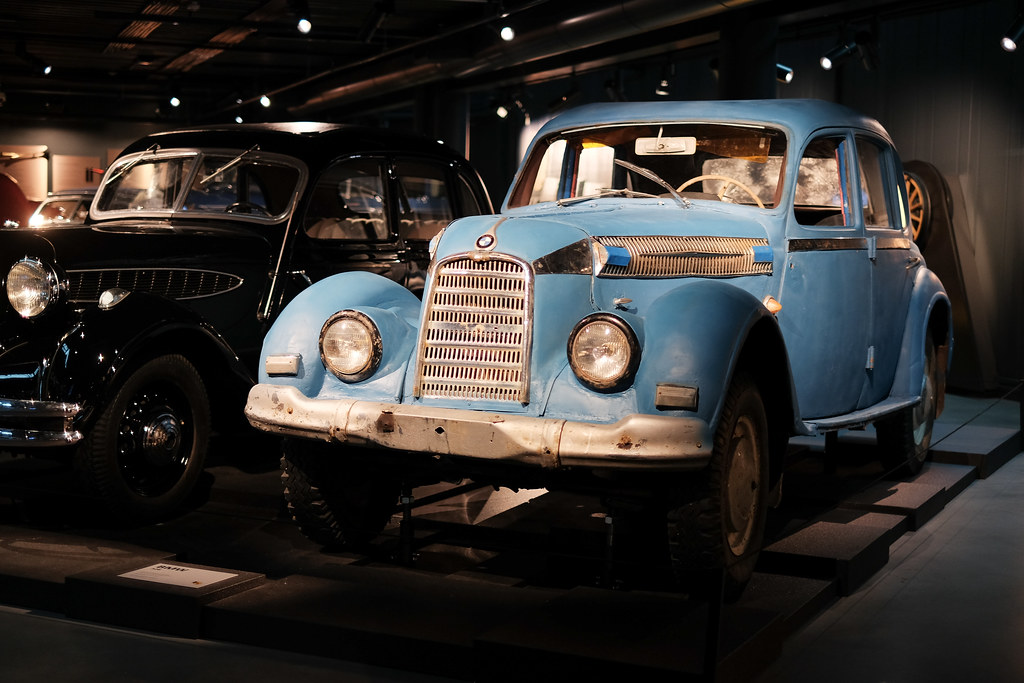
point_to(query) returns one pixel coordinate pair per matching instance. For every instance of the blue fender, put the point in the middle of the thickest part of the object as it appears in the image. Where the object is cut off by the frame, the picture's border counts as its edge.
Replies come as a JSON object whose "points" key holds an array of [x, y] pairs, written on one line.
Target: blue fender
{"points": [[103, 344], [929, 312], [698, 334], [393, 308]]}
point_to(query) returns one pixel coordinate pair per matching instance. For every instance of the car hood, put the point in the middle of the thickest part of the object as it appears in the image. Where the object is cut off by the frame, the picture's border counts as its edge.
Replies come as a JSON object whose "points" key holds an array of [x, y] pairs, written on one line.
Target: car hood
{"points": [[135, 245], [532, 233]]}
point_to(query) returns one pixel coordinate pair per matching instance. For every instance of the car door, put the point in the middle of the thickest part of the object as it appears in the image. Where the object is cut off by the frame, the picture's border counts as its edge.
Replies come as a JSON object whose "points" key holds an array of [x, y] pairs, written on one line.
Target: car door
{"points": [[892, 263], [826, 288]]}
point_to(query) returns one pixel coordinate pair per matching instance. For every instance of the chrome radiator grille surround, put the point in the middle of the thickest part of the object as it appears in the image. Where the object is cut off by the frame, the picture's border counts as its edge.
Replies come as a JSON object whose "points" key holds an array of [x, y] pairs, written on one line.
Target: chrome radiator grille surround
{"points": [[700, 256], [475, 335], [85, 286]]}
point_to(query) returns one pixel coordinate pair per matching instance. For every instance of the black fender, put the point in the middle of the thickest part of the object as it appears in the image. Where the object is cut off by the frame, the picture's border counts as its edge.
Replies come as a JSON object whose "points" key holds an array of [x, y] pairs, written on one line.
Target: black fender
{"points": [[104, 346]]}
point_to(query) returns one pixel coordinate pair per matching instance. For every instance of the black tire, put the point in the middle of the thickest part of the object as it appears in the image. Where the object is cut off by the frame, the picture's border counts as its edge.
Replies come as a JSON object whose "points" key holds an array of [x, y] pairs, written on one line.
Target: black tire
{"points": [[904, 438], [146, 451], [334, 502], [719, 521]]}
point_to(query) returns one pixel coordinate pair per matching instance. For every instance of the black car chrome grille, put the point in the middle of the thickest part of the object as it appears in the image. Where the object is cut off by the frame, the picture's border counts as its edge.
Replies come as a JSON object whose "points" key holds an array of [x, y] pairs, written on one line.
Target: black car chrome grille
{"points": [[85, 286], [475, 340]]}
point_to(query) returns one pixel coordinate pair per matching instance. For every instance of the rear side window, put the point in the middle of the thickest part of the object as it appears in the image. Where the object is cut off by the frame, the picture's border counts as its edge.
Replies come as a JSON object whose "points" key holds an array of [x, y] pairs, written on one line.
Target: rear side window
{"points": [[424, 204], [348, 203]]}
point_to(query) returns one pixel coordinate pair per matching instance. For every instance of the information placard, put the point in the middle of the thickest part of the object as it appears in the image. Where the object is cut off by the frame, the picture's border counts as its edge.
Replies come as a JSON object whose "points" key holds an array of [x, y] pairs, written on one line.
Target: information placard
{"points": [[176, 575]]}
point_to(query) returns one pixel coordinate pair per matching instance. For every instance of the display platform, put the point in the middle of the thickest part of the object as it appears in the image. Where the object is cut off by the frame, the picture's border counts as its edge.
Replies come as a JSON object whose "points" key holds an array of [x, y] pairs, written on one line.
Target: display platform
{"points": [[484, 584]]}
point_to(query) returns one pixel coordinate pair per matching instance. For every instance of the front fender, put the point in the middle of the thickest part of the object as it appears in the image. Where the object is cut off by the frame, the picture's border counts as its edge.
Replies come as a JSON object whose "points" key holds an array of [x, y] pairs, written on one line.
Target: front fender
{"points": [[695, 337], [102, 344], [929, 312], [393, 308]]}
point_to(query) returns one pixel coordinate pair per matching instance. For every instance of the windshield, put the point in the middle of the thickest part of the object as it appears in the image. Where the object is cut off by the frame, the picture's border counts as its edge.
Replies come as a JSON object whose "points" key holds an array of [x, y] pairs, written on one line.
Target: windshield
{"points": [[242, 183], [731, 163]]}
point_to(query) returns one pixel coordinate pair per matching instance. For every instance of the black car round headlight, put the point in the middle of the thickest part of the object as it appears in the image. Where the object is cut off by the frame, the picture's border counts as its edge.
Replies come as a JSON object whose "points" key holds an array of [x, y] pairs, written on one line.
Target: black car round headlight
{"points": [[604, 352], [31, 287], [350, 346]]}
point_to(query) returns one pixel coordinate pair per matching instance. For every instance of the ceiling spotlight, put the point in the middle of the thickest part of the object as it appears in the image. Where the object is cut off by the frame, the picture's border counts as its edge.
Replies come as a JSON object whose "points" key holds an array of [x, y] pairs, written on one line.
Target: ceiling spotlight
{"points": [[783, 74], [238, 119], [300, 9], [502, 111], [1012, 38], [662, 90], [837, 54], [507, 33], [664, 87], [175, 101], [264, 100]]}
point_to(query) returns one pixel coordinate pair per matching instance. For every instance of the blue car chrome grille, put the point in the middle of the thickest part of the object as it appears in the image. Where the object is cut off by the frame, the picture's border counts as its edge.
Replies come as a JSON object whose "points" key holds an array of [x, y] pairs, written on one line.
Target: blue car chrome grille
{"points": [[689, 256], [85, 286], [475, 338]]}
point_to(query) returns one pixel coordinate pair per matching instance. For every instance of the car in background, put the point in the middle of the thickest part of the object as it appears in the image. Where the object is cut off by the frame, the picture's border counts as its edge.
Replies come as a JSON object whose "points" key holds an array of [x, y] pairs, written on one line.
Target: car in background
{"points": [[670, 292], [62, 207], [125, 340]]}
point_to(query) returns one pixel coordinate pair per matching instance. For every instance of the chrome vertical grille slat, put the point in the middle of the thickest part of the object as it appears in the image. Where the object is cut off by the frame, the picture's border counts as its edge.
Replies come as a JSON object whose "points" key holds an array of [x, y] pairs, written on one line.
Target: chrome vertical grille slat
{"points": [[474, 343]]}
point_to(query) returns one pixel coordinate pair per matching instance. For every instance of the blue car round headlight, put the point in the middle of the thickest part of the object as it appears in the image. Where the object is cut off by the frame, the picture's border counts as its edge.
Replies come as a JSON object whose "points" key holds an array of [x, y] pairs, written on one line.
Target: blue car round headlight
{"points": [[604, 352], [31, 287], [350, 346]]}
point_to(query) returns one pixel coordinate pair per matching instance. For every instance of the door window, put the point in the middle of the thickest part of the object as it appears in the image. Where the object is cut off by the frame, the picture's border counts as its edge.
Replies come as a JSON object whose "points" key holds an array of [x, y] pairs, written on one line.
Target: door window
{"points": [[347, 203], [424, 206]]}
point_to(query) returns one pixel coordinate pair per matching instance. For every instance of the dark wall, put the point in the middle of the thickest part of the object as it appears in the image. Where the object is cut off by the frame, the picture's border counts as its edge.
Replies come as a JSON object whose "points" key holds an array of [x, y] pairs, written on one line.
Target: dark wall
{"points": [[949, 95]]}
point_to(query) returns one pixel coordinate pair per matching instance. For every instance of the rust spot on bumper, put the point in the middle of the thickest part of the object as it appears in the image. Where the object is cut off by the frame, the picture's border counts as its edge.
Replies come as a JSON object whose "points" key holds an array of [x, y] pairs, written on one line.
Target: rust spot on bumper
{"points": [[386, 423]]}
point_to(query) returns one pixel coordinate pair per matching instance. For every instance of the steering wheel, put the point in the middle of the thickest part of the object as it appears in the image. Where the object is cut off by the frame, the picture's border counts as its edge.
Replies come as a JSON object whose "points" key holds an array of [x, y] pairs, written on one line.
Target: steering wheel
{"points": [[246, 207], [729, 182]]}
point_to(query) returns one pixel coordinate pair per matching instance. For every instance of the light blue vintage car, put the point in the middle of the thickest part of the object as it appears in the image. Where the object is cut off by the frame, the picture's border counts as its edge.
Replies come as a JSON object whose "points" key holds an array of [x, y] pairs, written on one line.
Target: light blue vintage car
{"points": [[671, 291]]}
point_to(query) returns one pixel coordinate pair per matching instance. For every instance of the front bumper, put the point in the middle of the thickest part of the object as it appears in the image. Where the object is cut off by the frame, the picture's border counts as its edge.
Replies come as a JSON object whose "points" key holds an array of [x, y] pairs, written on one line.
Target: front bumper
{"points": [[636, 442], [37, 424]]}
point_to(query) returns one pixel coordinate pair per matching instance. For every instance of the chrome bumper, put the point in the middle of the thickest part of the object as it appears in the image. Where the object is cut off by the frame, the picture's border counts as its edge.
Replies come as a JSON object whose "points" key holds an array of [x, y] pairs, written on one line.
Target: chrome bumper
{"points": [[638, 441], [37, 423]]}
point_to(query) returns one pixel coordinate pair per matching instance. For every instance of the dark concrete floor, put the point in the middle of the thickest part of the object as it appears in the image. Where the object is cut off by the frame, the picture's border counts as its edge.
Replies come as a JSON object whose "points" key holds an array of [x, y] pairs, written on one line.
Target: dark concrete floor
{"points": [[946, 606]]}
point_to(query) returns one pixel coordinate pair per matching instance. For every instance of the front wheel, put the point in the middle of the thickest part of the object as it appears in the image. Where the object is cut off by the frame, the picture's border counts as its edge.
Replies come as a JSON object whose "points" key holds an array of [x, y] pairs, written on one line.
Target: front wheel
{"points": [[718, 523], [904, 438], [145, 453], [334, 502]]}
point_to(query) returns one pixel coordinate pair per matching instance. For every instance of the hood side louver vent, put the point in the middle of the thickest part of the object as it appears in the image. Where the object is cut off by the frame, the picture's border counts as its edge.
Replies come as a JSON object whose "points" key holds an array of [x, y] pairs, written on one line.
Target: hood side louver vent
{"points": [[85, 286], [690, 256]]}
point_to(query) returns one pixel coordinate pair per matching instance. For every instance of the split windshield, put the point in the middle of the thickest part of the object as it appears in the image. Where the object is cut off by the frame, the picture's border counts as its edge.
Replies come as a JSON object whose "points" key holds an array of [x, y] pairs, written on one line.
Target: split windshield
{"points": [[731, 163], [244, 184]]}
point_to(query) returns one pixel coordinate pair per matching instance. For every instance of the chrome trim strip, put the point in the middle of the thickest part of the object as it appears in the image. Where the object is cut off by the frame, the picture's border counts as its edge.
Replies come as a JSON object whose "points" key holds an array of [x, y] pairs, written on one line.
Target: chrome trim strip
{"points": [[827, 244]]}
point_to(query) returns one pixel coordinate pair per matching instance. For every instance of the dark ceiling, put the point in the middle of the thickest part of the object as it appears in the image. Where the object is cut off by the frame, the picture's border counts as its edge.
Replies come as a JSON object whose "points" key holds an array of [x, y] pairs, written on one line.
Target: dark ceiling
{"points": [[124, 59]]}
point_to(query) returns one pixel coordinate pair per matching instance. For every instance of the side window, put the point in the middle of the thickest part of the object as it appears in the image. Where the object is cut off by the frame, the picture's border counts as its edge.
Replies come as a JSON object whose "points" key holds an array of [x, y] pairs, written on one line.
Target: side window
{"points": [[822, 187], [424, 204], [874, 179], [469, 205], [347, 203]]}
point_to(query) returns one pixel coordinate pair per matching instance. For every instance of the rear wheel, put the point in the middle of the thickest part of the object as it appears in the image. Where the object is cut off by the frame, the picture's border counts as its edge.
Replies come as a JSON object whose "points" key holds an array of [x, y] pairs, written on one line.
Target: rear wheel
{"points": [[333, 501], [718, 522], [904, 438], [145, 453]]}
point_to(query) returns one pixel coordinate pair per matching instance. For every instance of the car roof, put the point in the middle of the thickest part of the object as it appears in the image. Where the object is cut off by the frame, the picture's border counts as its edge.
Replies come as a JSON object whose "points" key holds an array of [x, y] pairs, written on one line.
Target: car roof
{"points": [[799, 116], [314, 142]]}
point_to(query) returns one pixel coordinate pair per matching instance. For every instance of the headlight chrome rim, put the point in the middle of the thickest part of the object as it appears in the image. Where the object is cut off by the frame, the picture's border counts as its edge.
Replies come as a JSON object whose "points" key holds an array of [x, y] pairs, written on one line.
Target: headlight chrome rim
{"points": [[623, 377], [365, 359], [32, 287]]}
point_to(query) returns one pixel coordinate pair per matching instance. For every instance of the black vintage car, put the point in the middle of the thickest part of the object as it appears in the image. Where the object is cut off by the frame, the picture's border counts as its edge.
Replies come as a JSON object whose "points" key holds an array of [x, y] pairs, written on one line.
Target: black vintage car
{"points": [[125, 341]]}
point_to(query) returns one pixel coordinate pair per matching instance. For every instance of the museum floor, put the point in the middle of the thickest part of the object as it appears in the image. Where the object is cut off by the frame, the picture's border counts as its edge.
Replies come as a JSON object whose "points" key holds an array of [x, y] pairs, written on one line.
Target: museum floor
{"points": [[948, 604]]}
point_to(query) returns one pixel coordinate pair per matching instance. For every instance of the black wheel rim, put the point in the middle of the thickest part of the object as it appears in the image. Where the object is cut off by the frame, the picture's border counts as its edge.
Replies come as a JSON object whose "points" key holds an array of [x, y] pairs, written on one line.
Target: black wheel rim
{"points": [[154, 441]]}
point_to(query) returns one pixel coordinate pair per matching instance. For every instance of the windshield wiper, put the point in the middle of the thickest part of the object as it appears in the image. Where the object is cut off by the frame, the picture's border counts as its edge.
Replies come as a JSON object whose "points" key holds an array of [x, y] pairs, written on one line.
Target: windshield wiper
{"points": [[233, 162], [612, 192], [654, 177], [131, 164]]}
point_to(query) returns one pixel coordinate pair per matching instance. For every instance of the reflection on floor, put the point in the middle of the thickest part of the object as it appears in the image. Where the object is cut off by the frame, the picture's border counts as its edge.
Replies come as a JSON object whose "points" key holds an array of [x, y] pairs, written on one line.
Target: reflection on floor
{"points": [[920, 578]]}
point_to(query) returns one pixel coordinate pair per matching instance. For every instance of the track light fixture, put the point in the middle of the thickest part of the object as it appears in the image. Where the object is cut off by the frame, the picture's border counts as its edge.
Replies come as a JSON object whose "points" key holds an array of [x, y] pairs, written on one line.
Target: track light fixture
{"points": [[1011, 40], [783, 74], [837, 54], [39, 65], [300, 8], [664, 87], [264, 101], [507, 33]]}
